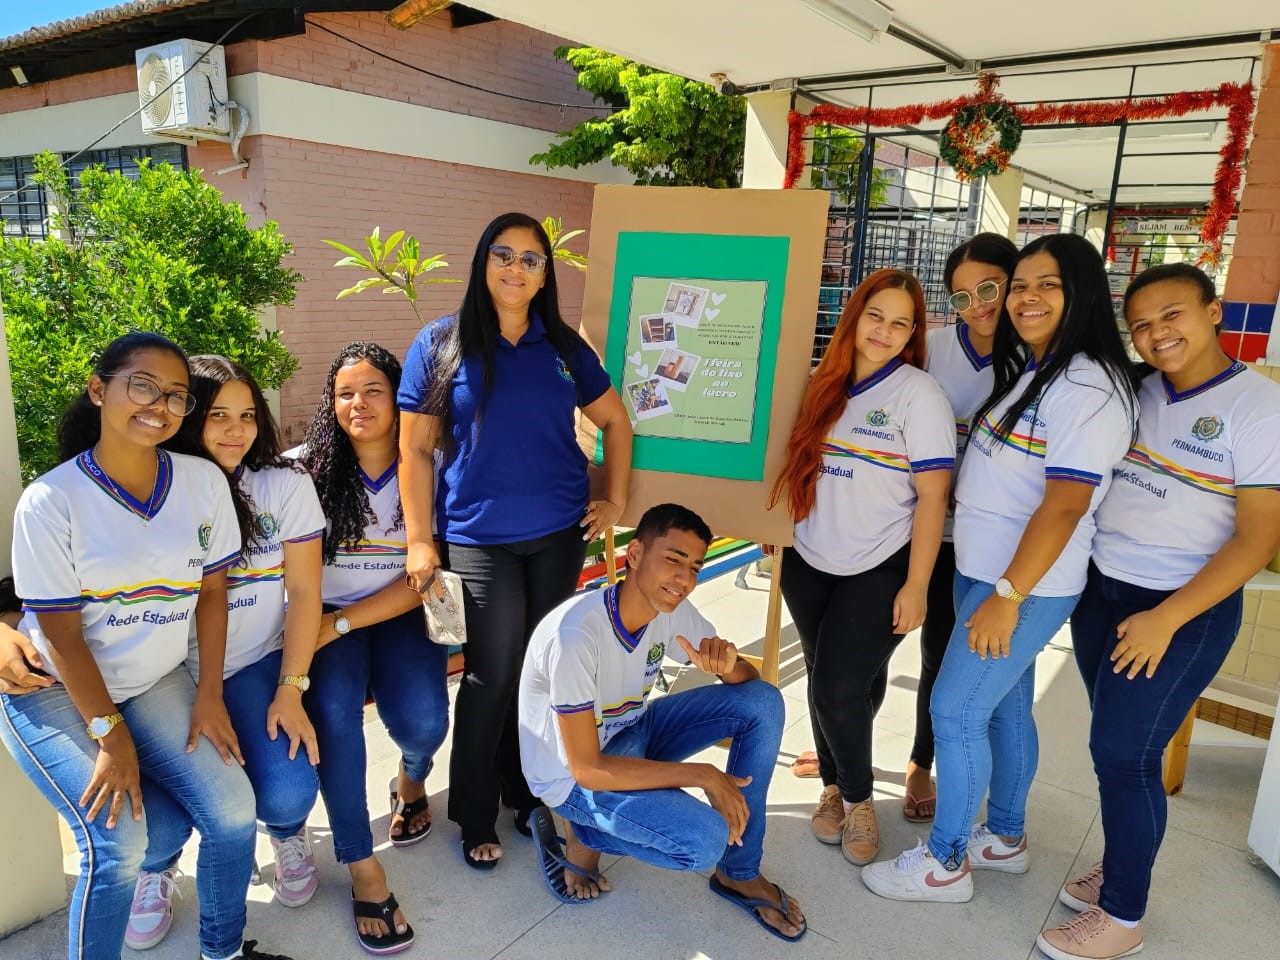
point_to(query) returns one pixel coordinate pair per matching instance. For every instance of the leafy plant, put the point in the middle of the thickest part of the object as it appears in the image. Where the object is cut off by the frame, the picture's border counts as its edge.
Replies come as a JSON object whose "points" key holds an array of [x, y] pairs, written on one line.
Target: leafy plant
{"points": [[837, 165], [396, 265], [163, 252], [556, 233], [665, 129]]}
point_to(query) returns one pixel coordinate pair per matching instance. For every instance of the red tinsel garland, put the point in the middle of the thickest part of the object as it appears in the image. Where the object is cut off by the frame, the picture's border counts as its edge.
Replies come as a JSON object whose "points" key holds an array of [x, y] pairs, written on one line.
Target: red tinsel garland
{"points": [[1236, 97]]}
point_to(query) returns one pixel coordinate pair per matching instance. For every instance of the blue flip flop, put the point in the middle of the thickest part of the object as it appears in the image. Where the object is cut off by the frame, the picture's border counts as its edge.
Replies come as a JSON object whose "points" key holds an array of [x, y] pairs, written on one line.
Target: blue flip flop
{"points": [[552, 860], [752, 905]]}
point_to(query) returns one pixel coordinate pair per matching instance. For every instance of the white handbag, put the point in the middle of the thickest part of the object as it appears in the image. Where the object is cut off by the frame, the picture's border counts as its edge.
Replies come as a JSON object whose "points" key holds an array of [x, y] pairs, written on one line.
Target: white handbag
{"points": [[446, 619]]}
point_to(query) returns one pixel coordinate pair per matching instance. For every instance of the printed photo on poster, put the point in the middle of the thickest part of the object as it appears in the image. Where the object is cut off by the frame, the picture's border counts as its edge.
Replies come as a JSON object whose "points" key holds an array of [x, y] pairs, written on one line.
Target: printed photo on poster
{"points": [[649, 398], [657, 331], [684, 304], [677, 367]]}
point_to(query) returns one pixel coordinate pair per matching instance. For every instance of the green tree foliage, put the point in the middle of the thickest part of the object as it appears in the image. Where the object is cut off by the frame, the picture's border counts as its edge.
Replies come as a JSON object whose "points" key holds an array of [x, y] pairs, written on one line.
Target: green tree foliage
{"points": [[836, 163], [395, 265], [162, 253], [664, 129]]}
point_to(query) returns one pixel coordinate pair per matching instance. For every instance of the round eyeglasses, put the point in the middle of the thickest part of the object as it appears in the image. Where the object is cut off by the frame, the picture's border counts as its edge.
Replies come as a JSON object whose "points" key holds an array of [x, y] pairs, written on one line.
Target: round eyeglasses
{"points": [[144, 392], [988, 291], [530, 261]]}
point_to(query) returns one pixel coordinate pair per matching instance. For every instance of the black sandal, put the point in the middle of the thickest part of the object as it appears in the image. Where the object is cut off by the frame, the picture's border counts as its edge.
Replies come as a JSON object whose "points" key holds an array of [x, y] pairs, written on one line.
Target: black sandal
{"points": [[408, 811], [389, 942], [470, 843], [522, 822]]}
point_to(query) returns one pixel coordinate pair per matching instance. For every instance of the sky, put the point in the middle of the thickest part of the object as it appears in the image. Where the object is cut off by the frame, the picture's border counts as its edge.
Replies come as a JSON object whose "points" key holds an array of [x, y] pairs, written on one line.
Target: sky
{"points": [[18, 16]]}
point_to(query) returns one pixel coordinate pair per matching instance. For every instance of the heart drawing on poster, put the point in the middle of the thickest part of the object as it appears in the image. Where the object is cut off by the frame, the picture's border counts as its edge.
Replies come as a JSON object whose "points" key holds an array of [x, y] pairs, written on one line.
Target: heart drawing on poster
{"points": [[642, 371], [634, 358], [710, 313], [718, 298]]}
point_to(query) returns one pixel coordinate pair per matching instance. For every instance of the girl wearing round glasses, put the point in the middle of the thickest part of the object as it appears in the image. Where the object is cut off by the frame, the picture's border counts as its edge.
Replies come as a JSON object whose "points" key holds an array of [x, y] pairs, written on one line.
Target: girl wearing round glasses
{"points": [[1038, 462], [118, 551], [1193, 514], [269, 648], [977, 274], [496, 387], [867, 474]]}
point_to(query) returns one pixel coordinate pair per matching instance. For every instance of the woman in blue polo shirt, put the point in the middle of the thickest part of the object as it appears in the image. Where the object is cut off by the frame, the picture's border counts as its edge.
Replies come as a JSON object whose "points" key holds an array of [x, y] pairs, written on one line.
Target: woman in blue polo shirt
{"points": [[497, 387], [1194, 513]]}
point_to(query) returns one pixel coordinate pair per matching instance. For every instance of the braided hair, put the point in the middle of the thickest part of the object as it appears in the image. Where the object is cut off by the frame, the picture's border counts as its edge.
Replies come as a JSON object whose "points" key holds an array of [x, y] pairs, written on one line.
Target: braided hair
{"points": [[330, 457]]}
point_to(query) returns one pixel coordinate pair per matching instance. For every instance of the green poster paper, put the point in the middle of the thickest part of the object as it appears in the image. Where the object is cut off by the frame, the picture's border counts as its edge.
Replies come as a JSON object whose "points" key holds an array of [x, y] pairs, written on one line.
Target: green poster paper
{"points": [[693, 335]]}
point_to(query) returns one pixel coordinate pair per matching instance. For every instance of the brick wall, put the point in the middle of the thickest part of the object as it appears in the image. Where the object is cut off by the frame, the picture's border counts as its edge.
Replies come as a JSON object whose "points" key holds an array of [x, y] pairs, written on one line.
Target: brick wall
{"points": [[317, 192]]}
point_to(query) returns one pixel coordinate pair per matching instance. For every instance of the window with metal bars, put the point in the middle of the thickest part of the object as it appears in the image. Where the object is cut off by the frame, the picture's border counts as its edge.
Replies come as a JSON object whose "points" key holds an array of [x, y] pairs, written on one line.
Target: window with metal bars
{"points": [[24, 209]]}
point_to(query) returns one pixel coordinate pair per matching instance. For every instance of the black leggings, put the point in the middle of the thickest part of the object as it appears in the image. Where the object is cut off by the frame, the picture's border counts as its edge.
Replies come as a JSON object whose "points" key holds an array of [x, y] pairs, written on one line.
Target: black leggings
{"points": [[846, 632], [939, 621], [507, 589]]}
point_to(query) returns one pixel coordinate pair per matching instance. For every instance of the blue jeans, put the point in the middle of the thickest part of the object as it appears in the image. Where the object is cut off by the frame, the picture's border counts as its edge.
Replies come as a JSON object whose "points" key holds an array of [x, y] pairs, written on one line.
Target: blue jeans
{"points": [[982, 724], [1134, 719], [285, 789], [668, 827], [46, 735], [406, 674]]}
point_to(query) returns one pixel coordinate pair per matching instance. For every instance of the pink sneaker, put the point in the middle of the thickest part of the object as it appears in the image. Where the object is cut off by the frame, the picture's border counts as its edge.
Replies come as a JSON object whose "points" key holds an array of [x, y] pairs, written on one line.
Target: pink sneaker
{"points": [[1093, 935], [1084, 891], [296, 880], [151, 914]]}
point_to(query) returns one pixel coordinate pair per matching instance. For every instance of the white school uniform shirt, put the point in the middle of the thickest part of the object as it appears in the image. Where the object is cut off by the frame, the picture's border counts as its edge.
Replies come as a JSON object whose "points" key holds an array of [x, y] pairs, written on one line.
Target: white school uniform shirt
{"points": [[1173, 503], [896, 423], [378, 559], [1078, 429], [132, 570], [286, 509], [966, 377], [582, 660]]}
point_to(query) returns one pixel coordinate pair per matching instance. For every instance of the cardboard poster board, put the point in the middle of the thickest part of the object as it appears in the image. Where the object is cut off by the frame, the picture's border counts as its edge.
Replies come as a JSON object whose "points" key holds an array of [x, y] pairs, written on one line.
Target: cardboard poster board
{"points": [[702, 304]]}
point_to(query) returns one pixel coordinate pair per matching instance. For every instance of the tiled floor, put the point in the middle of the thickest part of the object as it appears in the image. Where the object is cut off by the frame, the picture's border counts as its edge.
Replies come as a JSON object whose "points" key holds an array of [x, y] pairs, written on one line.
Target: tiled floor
{"points": [[1208, 900]]}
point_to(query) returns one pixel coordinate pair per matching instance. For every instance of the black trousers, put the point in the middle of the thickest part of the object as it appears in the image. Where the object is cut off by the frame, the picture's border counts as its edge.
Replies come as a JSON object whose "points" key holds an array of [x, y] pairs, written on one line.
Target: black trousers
{"points": [[939, 621], [507, 589], [846, 633]]}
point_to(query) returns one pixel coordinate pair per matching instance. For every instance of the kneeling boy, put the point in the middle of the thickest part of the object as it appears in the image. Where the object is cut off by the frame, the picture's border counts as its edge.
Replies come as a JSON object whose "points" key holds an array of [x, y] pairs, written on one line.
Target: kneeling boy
{"points": [[613, 765]]}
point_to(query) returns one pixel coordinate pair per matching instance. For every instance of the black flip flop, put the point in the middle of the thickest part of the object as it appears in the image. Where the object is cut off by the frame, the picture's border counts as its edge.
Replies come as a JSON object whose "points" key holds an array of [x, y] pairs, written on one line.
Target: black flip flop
{"points": [[408, 836], [469, 844], [552, 860], [390, 942]]}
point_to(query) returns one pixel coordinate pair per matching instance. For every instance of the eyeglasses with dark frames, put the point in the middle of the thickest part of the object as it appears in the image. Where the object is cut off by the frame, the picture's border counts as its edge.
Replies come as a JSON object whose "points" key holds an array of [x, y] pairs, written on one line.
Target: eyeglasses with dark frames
{"points": [[143, 391]]}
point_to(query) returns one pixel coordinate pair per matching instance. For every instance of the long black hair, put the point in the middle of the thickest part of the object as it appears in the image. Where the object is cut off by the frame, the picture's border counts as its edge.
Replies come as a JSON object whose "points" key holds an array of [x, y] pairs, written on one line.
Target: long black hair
{"points": [[474, 330], [992, 248], [331, 459], [81, 424], [1088, 326], [209, 374]]}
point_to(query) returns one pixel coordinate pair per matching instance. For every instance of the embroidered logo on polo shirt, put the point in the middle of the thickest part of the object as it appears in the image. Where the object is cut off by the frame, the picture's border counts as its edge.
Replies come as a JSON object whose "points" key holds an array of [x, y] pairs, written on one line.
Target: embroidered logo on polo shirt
{"points": [[878, 418], [655, 654], [563, 371], [204, 532], [268, 526], [1207, 428]]}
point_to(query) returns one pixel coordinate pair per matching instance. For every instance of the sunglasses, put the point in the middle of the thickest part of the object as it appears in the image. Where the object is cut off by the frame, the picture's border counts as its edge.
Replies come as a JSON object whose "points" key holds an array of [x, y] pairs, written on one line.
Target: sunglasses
{"points": [[530, 262], [987, 291]]}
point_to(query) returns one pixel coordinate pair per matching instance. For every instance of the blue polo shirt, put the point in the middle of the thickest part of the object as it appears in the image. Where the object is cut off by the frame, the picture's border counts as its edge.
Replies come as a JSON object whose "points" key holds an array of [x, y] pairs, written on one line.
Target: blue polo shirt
{"points": [[513, 471]]}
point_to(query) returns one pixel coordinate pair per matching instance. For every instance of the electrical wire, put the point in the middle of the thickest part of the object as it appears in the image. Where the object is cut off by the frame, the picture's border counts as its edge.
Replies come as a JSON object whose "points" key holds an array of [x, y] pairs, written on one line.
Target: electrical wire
{"points": [[461, 83], [141, 106]]}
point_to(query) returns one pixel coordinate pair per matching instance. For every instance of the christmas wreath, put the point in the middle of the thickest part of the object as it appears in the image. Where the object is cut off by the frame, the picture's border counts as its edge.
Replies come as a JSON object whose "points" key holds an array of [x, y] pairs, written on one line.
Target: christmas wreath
{"points": [[980, 139]]}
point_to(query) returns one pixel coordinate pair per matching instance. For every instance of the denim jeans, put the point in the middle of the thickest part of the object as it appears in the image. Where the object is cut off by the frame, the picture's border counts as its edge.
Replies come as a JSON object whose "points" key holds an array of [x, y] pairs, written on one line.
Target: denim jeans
{"points": [[982, 724], [406, 674], [46, 735], [507, 589], [285, 790], [845, 625], [668, 827], [1133, 720]]}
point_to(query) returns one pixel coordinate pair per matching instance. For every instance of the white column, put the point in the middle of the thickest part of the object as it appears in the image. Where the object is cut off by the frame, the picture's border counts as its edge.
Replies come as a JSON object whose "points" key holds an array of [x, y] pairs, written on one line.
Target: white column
{"points": [[1002, 203], [764, 161], [30, 846]]}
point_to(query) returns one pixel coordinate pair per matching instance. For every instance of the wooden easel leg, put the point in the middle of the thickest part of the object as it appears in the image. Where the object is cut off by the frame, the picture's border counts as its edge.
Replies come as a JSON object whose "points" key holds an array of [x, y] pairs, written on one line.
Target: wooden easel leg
{"points": [[611, 564], [1175, 756], [773, 624]]}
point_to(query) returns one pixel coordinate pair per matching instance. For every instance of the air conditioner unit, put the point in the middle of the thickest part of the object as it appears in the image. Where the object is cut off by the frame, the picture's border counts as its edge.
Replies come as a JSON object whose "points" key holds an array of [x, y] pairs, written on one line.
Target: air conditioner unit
{"points": [[194, 106]]}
